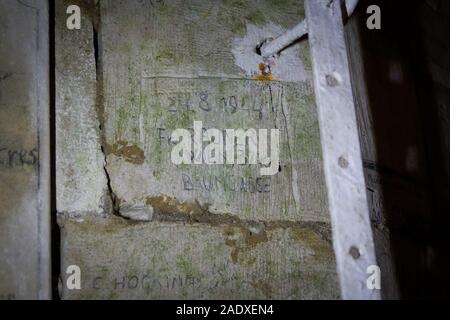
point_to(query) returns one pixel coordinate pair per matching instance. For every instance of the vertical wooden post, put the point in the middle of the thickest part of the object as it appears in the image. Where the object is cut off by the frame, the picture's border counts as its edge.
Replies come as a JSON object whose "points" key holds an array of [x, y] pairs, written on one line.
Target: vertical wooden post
{"points": [[352, 233], [24, 150]]}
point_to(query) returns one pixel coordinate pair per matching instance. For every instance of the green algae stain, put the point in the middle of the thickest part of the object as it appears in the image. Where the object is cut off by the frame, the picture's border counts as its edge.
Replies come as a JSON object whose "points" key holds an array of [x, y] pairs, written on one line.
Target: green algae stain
{"points": [[305, 55]]}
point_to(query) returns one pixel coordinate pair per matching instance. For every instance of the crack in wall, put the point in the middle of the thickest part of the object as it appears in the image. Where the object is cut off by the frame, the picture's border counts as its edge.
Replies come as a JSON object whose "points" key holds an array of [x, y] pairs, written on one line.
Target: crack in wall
{"points": [[110, 203], [167, 209], [292, 190]]}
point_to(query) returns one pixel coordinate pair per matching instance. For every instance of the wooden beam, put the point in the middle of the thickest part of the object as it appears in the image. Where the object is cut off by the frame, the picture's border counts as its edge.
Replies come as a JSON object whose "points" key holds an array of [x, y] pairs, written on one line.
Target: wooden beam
{"points": [[352, 233]]}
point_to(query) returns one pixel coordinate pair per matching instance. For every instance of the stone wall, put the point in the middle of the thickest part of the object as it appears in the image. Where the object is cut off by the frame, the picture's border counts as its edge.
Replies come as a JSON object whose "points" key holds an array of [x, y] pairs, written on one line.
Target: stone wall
{"points": [[138, 225]]}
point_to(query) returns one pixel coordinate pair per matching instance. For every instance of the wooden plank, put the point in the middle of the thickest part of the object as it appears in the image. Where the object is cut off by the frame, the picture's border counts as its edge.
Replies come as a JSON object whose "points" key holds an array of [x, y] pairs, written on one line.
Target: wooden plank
{"points": [[24, 150], [352, 234]]}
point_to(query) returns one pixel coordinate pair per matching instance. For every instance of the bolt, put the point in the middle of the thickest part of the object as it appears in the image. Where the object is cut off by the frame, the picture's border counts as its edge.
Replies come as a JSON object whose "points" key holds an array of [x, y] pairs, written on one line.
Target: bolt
{"points": [[266, 70], [354, 252], [343, 162]]}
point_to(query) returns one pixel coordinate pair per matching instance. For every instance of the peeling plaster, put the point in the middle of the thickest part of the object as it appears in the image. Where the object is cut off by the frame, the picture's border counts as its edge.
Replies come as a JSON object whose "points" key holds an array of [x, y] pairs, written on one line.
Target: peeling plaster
{"points": [[287, 66]]}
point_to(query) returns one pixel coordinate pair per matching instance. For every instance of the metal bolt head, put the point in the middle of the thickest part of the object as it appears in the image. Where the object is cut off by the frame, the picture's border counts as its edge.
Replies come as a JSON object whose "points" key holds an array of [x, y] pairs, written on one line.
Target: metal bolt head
{"points": [[266, 70]]}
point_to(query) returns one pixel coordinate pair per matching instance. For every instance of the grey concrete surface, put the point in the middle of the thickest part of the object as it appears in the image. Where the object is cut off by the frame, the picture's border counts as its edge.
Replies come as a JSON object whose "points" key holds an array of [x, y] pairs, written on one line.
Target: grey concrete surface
{"points": [[24, 150], [138, 225]]}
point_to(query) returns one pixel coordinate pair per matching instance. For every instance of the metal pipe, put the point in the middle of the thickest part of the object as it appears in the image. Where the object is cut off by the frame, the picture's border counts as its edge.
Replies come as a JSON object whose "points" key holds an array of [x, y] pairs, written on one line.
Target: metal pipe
{"points": [[273, 47]]}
